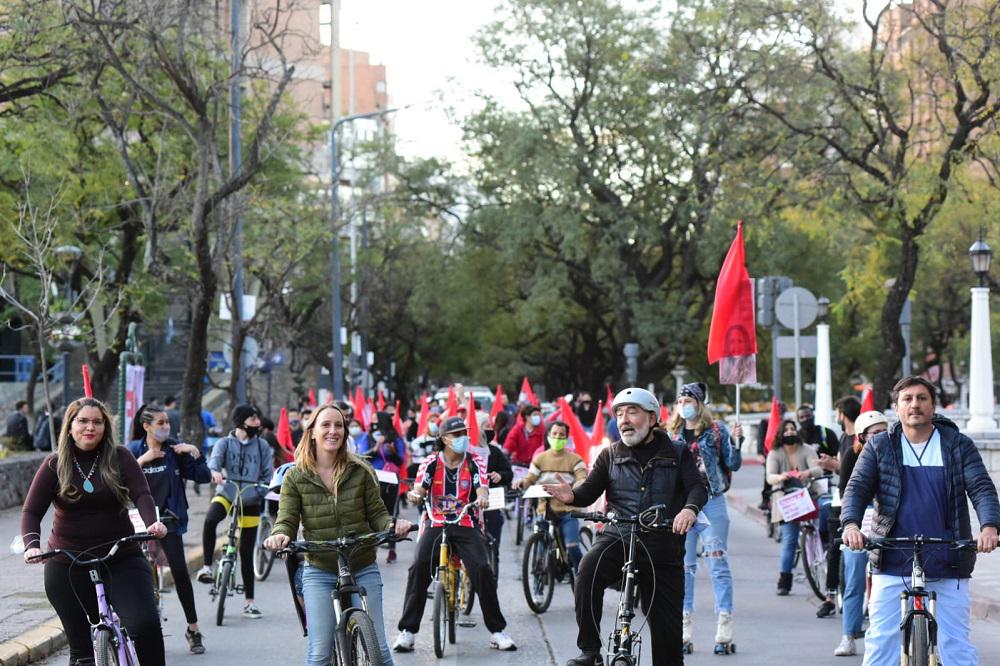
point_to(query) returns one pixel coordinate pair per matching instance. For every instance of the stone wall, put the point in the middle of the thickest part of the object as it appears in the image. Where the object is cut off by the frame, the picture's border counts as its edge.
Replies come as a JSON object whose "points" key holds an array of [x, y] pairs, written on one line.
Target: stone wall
{"points": [[16, 472]]}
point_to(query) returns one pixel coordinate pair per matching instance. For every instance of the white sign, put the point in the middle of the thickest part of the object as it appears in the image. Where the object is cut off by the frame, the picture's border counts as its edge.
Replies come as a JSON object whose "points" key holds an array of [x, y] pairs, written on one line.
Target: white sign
{"points": [[796, 504], [249, 307], [498, 499], [535, 492], [387, 477], [137, 524], [786, 346]]}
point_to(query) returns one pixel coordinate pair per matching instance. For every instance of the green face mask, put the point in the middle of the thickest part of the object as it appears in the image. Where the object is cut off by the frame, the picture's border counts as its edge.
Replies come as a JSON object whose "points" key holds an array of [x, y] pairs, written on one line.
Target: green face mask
{"points": [[557, 443]]}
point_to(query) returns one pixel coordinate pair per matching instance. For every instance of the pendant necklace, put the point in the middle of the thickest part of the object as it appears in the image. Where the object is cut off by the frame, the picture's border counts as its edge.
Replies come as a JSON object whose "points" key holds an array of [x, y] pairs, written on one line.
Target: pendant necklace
{"points": [[87, 485]]}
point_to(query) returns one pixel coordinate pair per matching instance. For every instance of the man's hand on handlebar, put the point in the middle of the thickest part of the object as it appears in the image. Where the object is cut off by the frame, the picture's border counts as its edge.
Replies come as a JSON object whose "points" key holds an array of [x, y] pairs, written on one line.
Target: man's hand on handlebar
{"points": [[402, 527], [276, 541], [416, 495], [483, 498], [853, 538], [684, 521], [561, 491], [986, 542], [216, 477]]}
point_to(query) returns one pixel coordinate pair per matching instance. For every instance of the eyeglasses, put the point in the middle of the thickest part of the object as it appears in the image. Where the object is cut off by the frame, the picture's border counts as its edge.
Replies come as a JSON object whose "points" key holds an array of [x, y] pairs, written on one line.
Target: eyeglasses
{"points": [[97, 423]]}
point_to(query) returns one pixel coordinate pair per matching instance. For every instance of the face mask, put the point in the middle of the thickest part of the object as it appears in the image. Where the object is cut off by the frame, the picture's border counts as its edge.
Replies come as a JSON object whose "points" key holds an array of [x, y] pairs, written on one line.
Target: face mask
{"points": [[355, 431], [460, 444], [294, 423], [489, 435], [161, 434], [557, 443], [252, 431], [432, 428], [789, 439], [806, 423], [536, 420], [689, 412]]}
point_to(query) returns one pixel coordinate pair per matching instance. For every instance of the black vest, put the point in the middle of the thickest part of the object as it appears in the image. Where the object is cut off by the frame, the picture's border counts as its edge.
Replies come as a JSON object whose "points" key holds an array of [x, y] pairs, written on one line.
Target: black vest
{"points": [[631, 488]]}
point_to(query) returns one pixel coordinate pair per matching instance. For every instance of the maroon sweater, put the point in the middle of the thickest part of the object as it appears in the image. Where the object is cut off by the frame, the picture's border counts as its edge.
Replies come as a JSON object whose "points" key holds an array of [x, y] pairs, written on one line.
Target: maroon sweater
{"points": [[95, 518]]}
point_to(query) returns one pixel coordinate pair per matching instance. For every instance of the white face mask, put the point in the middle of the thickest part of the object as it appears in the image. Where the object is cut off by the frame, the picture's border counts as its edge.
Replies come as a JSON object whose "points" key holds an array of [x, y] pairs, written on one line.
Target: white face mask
{"points": [[161, 434], [355, 431], [536, 420]]}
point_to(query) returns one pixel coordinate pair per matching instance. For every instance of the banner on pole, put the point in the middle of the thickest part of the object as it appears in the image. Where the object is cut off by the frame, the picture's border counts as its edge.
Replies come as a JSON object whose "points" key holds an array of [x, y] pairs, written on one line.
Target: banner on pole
{"points": [[135, 377]]}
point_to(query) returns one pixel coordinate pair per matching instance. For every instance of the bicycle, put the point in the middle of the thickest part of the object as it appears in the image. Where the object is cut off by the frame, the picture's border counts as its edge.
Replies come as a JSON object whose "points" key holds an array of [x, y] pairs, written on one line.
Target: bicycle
{"points": [[452, 586], [625, 643], [263, 559], [918, 641], [355, 640], [544, 562], [813, 555], [224, 583], [112, 644], [157, 560]]}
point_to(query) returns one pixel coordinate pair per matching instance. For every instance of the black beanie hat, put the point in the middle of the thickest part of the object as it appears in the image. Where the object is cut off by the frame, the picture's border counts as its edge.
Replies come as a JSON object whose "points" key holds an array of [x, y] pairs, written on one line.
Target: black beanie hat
{"points": [[242, 412]]}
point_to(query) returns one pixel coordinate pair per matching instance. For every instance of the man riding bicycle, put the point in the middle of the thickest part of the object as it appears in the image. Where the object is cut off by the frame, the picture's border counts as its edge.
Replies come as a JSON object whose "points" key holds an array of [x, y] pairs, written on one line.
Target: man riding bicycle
{"points": [[641, 470], [448, 480], [920, 473]]}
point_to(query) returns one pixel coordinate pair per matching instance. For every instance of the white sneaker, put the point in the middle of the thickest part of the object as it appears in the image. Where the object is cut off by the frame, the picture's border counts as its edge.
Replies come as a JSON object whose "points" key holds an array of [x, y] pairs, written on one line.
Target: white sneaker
{"points": [[404, 642], [724, 632], [846, 647], [205, 575], [687, 627], [501, 641]]}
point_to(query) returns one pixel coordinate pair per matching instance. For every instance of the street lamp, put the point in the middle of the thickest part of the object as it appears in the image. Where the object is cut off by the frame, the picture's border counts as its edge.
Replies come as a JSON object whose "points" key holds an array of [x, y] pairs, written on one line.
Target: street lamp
{"points": [[980, 350], [823, 408], [822, 309]]}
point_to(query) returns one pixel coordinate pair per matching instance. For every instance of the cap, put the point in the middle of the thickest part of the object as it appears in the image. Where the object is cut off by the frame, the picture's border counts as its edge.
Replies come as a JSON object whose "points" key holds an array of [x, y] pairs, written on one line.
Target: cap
{"points": [[453, 424]]}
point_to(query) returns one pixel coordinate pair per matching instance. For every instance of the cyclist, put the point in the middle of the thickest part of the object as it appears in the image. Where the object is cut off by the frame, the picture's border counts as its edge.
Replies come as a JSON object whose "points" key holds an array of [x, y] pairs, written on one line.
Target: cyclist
{"points": [[166, 464], [642, 469], [91, 482], [500, 474], [557, 465], [717, 457], [247, 460], [920, 472], [332, 493], [525, 437], [450, 480], [865, 426]]}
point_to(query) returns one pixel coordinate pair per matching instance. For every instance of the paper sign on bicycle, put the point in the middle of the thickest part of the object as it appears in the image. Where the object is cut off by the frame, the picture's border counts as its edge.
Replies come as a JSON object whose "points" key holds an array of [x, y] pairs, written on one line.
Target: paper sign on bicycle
{"points": [[795, 504], [387, 477], [498, 499], [535, 492]]}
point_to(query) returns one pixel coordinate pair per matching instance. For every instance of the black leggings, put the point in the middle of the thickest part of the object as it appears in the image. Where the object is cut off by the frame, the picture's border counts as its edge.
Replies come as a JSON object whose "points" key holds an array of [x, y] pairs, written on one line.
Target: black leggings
{"points": [[216, 514], [128, 583], [173, 548]]}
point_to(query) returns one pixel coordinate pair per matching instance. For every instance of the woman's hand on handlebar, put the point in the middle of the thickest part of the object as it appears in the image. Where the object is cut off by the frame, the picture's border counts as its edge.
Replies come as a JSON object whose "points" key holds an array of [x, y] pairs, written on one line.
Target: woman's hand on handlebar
{"points": [[276, 541], [402, 527], [684, 521], [157, 529], [31, 554]]}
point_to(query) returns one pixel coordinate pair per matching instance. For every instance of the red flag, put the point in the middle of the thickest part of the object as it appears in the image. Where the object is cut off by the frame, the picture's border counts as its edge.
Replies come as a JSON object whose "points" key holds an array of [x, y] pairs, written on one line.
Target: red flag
{"points": [[732, 337], [284, 436], [451, 409], [664, 414], [497, 404], [581, 439], [425, 413], [397, 424], [312, 398], [471, 422], [597, 434], [610, 398], [381, 401], [868, 400], [369, 413], [358, 402], [527, 394], [773, 424], [88, 390]]}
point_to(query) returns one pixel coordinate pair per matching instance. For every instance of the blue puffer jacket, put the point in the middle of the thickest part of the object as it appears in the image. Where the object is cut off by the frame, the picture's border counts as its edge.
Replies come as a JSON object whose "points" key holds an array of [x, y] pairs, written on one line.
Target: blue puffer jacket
{"points": [[878, 475], [711, 450]]}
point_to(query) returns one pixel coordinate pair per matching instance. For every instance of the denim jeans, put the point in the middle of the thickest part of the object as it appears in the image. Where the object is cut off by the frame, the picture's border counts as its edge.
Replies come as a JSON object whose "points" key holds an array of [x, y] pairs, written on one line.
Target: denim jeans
{"points": [[570, 528], [789, 542], [317, 586], [715, 539], [854, 590]]}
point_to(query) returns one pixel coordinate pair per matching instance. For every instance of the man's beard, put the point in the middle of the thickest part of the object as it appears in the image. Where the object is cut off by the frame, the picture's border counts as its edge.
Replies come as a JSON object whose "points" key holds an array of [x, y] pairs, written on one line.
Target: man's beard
{"points": [[636, 437]]}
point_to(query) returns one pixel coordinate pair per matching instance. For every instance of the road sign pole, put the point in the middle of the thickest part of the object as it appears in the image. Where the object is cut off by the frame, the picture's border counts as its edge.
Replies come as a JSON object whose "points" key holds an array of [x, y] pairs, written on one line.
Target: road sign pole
{"points": [[798, 352]]}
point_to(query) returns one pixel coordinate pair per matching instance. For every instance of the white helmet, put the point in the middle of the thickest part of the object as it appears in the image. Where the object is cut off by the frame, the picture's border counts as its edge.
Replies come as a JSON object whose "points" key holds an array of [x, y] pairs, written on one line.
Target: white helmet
{"points": [[867, 419], [639, 397]]}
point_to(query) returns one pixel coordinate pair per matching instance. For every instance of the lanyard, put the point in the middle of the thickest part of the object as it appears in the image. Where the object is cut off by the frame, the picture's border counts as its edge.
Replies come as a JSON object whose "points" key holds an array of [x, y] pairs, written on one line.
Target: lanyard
{"points": [[927, 445]]}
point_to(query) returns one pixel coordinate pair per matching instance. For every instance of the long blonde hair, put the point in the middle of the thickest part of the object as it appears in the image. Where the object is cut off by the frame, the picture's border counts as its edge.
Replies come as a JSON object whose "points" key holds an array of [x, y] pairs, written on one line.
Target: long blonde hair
{"points": [[704, 420], [305, 452], [107, 456]]}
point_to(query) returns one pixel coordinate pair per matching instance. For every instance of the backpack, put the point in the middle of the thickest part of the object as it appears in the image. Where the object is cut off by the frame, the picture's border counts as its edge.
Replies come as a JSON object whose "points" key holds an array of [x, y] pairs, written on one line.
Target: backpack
{"points": [[727, 473]]}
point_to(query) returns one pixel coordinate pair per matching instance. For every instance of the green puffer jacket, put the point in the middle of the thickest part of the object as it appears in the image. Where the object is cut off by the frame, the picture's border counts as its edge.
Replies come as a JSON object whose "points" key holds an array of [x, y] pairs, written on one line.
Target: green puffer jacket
{"points": [[357, 507]]}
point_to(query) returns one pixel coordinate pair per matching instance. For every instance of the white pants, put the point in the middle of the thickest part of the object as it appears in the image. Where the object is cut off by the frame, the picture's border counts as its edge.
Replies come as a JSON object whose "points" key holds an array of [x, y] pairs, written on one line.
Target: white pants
{"points": [[882, 640]]}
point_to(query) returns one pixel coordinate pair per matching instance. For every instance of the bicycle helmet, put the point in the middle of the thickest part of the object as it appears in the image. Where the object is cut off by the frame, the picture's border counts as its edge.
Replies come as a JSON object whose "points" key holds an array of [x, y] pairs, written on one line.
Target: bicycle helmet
{"points": [[274, 487], [641, 398], [867, 419]]}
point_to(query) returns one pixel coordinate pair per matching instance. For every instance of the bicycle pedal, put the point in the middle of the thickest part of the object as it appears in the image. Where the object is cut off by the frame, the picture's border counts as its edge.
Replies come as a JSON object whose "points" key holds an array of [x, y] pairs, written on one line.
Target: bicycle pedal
{"points": [[238, 589], [467, 623]]}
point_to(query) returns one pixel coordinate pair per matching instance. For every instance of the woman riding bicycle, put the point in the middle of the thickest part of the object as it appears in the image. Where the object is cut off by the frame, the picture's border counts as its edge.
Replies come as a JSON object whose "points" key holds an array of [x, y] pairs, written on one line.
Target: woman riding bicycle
{"points": [[332, 493], [791, 466], [449, 480], [717, 456], [91, 482], [166, 464]]}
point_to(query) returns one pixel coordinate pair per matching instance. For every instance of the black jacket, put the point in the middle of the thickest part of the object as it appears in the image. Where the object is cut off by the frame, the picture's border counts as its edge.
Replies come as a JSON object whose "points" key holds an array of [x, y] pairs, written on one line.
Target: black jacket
{"points": [[498, 463]]}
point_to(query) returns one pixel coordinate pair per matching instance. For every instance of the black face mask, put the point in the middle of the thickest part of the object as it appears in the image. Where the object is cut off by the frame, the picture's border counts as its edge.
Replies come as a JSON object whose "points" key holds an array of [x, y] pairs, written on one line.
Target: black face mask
{"points": [[789, 439], [489, 435], [252, 431], [806, 424]]}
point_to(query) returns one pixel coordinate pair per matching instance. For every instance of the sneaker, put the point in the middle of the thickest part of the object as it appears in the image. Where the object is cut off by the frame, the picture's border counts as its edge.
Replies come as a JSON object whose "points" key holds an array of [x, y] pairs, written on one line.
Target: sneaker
{"points": [[586, 659], [404, 642], [827, 609], [501, 641], [194, 641], [205, 575], [251, 611], [846, 648]]}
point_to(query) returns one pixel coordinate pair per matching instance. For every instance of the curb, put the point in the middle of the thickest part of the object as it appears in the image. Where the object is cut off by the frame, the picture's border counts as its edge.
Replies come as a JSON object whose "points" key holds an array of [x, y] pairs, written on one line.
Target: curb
{"points": [[48, 638]]}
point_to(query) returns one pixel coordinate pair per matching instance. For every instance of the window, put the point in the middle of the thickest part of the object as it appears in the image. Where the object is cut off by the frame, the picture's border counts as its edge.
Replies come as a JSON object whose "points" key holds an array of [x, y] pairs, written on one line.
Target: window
{"points": [[326, 23]]}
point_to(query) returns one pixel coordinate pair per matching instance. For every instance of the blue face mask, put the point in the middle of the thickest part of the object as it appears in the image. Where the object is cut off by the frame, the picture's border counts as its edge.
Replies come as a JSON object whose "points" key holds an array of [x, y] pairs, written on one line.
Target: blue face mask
{"points": [[460, 444], [536, 419], [689, 412], [432, 428]]}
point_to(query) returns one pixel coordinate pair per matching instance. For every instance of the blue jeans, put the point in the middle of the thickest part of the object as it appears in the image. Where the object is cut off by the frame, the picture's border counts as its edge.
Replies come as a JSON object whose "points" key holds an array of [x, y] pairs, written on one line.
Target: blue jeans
{"points": [[854, 590], [789, 542], [570, 527], [715, 538], [317, 586]]}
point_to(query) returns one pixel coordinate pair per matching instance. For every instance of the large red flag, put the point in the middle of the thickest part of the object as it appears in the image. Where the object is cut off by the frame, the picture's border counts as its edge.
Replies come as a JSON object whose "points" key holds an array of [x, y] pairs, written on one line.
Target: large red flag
{"points": [[284, 436], [88, 390], [425, 412], [773, 424], [664, 414], [609, 398], [451, 407], [732, 337], [381, 401], [312, 398], [497, 404], [471, 422], [868, 400], [581, 440], [397, 423], [597, 434], [527, 394]]}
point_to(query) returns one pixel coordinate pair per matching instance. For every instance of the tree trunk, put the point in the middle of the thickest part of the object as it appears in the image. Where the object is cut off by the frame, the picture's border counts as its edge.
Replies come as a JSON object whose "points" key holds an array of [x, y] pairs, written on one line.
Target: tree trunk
{"points": [[893, 346]]}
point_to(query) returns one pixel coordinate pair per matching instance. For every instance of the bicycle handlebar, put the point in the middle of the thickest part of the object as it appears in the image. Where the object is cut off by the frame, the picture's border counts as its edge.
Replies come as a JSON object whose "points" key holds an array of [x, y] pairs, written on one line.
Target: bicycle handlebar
{"points": [[875, 543], [344, 543], [454, 521], [74, 555], [640, 519]]}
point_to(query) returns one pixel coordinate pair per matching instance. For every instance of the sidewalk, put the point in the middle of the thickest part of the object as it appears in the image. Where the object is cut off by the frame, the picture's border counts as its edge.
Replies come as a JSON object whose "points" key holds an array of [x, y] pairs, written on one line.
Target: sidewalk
{"points": [[744, 497], [29, 629]]}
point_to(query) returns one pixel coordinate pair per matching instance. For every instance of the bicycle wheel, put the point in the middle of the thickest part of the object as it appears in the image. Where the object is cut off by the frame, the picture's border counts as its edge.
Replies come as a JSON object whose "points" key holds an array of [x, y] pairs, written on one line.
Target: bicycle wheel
{"points": [[919, 648], [466, 594], [440, 619], [519, 529], [362, 641], [263, 559], [105, 653], [157, 589], [536, 573], [586, 539], [813, 561], [225, 577]]}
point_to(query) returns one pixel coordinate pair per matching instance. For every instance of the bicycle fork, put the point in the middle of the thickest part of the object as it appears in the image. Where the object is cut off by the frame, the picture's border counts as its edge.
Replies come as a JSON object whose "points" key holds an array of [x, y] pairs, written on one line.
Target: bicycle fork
{"points": [[623, 641], [924, 604], [109, 621]]}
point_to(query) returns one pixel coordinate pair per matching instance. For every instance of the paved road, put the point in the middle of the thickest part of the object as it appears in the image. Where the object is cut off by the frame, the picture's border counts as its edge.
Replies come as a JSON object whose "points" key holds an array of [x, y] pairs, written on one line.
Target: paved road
{"points": [[768, 628]]}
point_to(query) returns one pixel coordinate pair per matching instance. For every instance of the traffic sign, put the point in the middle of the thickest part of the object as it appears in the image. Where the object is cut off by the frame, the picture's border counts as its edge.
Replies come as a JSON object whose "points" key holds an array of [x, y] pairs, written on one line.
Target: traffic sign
{"points": [[792, 316], [786, 346]]}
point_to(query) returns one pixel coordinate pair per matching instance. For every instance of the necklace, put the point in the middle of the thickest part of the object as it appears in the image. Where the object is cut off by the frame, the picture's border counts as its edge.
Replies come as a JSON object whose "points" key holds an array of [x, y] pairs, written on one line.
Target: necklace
{"points": [[87, 485]]}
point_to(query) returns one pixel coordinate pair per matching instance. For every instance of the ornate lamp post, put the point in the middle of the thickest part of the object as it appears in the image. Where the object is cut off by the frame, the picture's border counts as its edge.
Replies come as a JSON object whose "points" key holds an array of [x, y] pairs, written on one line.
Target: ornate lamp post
{"points": [[981, 397]]}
